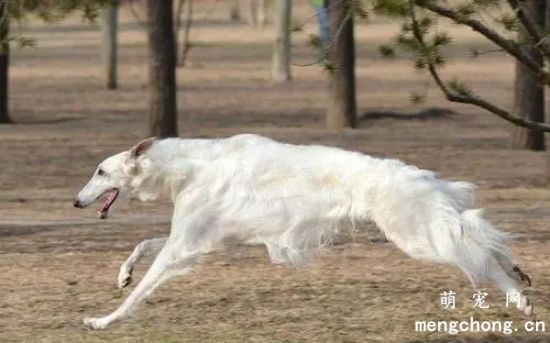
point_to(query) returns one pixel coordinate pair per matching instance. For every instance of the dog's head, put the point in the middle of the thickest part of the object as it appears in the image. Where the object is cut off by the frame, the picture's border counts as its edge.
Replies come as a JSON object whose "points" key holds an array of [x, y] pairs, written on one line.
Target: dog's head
{"points": [[113, 176]]}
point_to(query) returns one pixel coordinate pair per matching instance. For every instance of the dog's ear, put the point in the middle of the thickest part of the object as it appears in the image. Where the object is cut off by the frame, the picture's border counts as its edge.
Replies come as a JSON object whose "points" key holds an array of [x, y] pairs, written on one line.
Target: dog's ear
{"points": [[140, 148]]}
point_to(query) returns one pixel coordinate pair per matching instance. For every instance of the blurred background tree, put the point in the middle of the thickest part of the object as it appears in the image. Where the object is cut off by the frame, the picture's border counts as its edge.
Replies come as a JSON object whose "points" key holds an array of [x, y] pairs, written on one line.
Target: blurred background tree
{"points": [[109, 21], [282, 46], [258, 13], [183, 44], [162, 69], [235, 11], [528, 91], [342, 108], [4, 62]]}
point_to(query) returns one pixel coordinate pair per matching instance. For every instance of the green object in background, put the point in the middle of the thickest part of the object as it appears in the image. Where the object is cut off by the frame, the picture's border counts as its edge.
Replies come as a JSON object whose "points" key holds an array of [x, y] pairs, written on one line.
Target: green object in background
{"points": [[321, 12]]}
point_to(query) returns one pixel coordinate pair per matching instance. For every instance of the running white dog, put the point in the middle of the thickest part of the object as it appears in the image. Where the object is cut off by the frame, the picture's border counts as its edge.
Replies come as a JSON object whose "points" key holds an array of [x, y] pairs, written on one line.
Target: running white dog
{"points": [[294, 200]]}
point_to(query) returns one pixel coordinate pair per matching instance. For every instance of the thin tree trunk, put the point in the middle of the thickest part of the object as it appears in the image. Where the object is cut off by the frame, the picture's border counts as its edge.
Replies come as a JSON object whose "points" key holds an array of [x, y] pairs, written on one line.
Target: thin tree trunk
{"points": [[235, 11], [252, 7], [185, 43], [177, 19], [162, 69], [262, 12], [342, 108], [4, 64], [258, 15], [529, 92], [282, 46], [109, 45]]}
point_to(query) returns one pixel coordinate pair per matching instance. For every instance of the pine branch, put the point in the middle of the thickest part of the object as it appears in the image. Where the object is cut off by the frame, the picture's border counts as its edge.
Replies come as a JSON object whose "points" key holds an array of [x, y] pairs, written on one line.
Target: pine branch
{"points": [[464, 97], [510, 46]]}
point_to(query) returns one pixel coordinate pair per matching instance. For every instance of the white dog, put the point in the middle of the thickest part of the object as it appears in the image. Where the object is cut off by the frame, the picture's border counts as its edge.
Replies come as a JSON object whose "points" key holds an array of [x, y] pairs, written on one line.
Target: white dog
{"points": [[293, 199]]}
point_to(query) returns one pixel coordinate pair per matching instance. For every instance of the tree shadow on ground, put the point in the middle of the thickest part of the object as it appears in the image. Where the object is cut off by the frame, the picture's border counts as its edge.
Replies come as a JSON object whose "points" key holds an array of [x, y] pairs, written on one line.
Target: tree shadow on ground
{"points": [[427, 114], [28, 121]]}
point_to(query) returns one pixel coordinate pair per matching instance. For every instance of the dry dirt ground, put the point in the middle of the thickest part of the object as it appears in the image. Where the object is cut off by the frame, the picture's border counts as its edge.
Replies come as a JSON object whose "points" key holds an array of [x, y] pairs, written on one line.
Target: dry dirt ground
{"points": [[58, 265]]}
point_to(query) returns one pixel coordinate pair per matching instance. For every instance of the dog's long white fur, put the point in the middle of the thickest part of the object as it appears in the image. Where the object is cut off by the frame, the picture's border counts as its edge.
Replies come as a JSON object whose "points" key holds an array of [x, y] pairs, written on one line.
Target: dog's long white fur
{"points": [[295, 199]]}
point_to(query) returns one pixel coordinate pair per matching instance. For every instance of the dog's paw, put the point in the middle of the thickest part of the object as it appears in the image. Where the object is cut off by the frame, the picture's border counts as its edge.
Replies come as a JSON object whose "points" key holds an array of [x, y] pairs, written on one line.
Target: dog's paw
{"points": [[526, 306], [522, 277], [124, 277], [96, 323], [528, 309]]}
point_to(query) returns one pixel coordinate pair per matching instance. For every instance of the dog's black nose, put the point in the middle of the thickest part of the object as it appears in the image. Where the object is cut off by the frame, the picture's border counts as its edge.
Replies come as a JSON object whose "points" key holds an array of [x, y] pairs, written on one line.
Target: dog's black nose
{"points": [[77, 204]]}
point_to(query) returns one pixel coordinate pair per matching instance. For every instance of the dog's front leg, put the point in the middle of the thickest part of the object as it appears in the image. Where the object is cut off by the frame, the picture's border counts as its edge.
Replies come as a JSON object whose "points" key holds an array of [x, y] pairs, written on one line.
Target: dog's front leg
{"points": [[147, 248], [169, 262]]}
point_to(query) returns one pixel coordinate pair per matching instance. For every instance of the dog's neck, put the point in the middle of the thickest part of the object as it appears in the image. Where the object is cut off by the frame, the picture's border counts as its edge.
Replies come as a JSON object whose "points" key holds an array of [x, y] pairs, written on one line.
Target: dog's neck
{"points": [[166, 168]]}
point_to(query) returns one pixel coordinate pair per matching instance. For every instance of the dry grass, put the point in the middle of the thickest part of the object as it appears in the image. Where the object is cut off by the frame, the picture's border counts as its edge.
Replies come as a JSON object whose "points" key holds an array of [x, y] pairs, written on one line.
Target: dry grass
{"points": [[58, 265]]}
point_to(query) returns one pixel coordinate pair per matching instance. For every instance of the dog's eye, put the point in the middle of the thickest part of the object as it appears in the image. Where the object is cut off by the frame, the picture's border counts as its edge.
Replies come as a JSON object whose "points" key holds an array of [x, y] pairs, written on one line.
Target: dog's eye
{"points": [[101, 172]]}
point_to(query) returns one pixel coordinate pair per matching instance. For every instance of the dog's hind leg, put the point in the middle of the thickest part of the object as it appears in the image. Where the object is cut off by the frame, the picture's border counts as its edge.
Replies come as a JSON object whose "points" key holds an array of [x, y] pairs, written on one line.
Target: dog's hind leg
{"points": [[512, 269], [481, 253], [145, 249], [509, 285], [169, 262]]}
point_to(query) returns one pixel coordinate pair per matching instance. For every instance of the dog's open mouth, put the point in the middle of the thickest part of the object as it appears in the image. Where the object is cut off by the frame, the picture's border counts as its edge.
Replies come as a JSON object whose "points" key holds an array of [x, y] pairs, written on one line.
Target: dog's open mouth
{"points": [[112, 194]]}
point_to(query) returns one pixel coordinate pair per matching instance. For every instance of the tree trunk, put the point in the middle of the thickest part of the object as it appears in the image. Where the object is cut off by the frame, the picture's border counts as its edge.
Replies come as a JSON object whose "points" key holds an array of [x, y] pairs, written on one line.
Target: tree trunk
{"points": [[258, 17], [109, 45], [4, 65], [341, 58], [162, 69], [282, 46], [177, 19], [253, 19], [529, 92], [235, 11], [262, 12], [185, 43]]}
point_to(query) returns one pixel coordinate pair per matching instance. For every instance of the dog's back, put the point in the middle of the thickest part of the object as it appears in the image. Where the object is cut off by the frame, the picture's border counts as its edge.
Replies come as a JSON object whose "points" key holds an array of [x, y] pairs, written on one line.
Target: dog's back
{"points": [[296, 198]]}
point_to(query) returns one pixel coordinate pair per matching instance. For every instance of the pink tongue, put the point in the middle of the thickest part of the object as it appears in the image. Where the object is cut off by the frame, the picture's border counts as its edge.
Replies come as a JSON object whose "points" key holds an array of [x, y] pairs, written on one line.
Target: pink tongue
{"points": [[107, 203]]}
